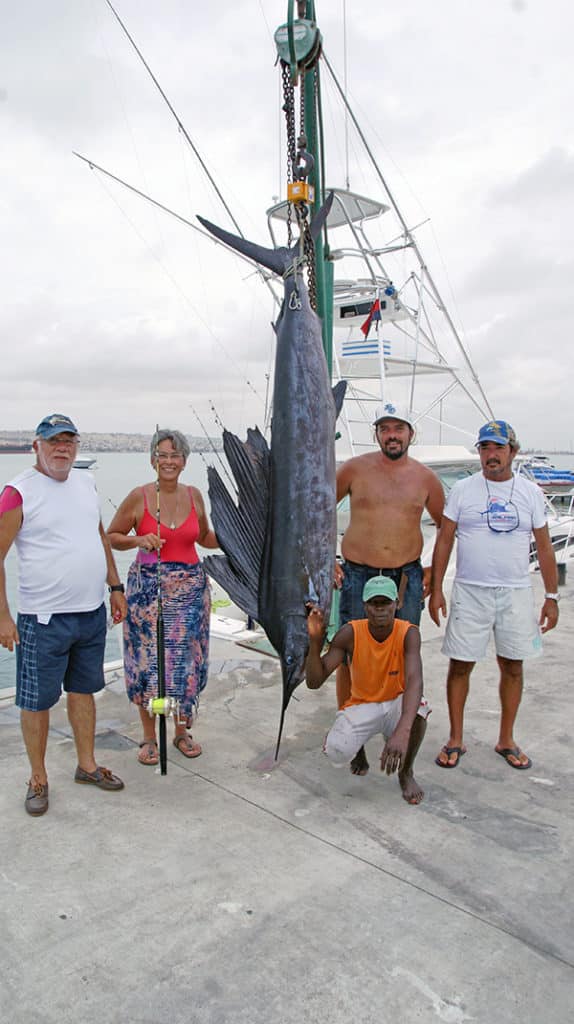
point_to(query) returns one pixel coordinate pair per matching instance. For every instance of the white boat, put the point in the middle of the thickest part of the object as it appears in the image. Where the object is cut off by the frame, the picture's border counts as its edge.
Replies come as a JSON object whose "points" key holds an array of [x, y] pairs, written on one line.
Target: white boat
{"points": [[543, 472], [84, 462]]}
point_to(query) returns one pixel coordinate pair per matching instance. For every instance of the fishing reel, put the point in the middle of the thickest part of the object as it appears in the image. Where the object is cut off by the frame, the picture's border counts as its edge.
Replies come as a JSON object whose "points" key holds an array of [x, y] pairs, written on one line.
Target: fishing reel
{"points": [[165, 706]]}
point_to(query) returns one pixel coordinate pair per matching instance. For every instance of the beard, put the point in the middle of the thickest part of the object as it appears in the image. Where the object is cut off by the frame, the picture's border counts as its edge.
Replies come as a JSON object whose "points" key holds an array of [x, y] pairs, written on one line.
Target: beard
{"points": [[395, 453]]}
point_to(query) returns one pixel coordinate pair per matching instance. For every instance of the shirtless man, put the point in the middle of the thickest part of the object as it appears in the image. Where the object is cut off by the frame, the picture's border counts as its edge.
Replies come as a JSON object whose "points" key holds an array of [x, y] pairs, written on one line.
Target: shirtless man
{"points": [[388, 492]]}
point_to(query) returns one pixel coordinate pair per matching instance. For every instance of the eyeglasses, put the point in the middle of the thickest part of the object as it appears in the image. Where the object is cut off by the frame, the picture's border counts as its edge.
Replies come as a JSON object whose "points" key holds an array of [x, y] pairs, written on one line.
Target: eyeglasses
{"points": [[502, 516], [61, 442], [164, 456]]}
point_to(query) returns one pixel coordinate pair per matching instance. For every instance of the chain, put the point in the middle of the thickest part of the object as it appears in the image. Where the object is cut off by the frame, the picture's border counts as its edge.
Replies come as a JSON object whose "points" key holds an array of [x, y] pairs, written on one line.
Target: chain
{"points": [[289, 108]]}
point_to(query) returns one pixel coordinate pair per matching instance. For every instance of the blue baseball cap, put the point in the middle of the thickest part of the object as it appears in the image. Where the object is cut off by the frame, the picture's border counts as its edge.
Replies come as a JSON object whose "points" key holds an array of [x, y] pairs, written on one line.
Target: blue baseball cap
{"points": [[380, 586], [498, 431], [57, 423]]}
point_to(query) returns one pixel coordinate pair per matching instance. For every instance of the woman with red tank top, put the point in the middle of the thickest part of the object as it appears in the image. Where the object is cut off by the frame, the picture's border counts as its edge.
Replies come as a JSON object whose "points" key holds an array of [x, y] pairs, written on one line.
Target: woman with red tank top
{"points": [[184, 591]]}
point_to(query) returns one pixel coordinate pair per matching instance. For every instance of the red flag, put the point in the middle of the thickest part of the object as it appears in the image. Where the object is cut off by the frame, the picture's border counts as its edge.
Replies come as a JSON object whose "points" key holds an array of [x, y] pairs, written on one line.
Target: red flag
{"points": [[374, 314]]}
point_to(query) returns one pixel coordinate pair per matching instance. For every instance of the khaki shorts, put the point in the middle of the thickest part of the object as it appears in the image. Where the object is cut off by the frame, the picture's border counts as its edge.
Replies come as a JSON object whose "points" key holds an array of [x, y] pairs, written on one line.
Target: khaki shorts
{"points": [[355, 725], [476, 613]]}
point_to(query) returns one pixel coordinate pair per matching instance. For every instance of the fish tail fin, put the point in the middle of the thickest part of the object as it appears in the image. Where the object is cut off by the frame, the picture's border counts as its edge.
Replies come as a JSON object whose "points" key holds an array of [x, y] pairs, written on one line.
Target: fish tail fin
{"points": [[320, 217], [276, 260]]}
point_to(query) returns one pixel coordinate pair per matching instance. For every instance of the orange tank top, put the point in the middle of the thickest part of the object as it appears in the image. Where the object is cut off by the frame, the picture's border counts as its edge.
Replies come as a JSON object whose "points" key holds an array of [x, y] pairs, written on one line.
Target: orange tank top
{"points": [[377, 669], [179, 543]]}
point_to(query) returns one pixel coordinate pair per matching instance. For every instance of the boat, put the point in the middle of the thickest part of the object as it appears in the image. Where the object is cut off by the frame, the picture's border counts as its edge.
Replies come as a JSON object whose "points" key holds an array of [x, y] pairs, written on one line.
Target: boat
{"points": [[15, 449], [85, 462], [393, 339], [543, 472]]}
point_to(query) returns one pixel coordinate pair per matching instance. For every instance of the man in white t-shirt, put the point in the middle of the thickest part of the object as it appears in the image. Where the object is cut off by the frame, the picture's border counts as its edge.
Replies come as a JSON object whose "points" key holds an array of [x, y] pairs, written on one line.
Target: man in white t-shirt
{"points": [[51, 513], [493, 515]]}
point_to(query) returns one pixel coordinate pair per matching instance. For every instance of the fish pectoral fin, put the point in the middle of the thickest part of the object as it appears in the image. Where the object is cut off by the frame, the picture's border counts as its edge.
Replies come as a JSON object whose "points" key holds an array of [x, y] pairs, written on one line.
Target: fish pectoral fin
{"points": [[240, 526], [339, 395]]}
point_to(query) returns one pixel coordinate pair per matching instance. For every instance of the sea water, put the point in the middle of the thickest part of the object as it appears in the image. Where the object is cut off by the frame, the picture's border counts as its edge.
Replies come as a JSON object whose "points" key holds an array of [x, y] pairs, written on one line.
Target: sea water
{"points": [[116, 474]]}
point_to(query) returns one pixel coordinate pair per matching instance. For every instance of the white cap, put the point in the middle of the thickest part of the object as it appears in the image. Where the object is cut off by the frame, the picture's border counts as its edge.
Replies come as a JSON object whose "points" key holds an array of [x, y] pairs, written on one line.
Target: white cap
{"points": [[390, 411]]}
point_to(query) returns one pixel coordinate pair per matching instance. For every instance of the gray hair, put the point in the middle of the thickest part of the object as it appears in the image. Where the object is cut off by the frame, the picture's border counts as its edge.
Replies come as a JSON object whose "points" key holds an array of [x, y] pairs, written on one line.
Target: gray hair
{"points": [[179, 441]]}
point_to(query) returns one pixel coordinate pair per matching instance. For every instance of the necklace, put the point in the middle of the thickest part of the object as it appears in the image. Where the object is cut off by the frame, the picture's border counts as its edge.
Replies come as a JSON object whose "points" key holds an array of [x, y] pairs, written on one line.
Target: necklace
{"points": [[172, 525]]}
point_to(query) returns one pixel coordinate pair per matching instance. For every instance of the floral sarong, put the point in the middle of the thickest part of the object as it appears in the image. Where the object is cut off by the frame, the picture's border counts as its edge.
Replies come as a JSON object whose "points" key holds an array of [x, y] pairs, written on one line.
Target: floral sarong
{"points": [[186, 603]]}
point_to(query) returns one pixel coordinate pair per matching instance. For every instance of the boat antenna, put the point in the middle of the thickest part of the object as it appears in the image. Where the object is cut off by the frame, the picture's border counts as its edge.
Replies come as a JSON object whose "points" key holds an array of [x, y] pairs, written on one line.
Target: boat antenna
{"points": [[180, 124]]}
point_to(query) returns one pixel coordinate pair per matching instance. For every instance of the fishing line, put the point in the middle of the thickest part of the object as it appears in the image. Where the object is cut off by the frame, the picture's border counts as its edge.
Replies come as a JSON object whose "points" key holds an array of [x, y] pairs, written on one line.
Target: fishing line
{"points": [[128, 125], [180, 124], [360, 859], [215, 451], [173, 281]]}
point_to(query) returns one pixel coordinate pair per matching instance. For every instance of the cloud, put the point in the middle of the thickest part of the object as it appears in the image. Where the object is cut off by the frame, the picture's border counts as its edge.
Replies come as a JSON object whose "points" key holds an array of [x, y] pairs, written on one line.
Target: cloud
{"points": [[549, 180]]}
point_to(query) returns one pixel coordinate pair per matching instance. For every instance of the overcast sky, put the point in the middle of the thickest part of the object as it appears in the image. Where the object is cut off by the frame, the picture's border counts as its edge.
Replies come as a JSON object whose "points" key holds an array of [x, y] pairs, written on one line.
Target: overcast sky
{"points": [[120, 317]]}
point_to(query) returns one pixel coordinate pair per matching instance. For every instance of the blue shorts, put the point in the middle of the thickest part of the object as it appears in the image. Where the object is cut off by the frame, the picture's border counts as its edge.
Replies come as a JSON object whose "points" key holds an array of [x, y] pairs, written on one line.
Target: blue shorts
{"points": [[351, 600], [68, 651]]}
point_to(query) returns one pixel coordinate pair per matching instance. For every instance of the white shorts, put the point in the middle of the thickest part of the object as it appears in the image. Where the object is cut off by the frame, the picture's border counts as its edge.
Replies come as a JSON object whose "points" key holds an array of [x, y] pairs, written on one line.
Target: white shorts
{"points": [[355, 725], [478, 612]]}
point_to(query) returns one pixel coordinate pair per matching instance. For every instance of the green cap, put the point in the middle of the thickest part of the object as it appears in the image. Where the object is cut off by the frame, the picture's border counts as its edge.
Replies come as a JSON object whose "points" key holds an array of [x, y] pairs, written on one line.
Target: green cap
{"points": [[380, 586]]}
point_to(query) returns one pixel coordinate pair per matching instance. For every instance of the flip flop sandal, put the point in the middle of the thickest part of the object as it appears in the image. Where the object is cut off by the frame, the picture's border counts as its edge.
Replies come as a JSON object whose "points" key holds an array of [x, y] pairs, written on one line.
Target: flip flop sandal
{"points": [[152, 756], [448, 751], [507, 752], [181, 744]]}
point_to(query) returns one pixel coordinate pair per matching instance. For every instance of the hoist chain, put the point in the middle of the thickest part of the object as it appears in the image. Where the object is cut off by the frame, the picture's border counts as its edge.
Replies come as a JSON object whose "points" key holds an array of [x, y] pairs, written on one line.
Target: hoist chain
{"points": [[301, 211], [289, 108]]}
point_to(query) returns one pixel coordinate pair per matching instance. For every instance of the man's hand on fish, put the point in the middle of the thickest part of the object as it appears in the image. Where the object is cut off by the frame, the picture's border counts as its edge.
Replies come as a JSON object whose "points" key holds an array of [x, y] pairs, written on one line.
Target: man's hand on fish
{"points": [[315, 621]]}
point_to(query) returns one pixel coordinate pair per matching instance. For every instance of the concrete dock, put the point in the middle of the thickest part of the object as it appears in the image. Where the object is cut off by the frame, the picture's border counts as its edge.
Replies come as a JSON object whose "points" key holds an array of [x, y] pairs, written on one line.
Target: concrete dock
{"points": [[236, 891]]}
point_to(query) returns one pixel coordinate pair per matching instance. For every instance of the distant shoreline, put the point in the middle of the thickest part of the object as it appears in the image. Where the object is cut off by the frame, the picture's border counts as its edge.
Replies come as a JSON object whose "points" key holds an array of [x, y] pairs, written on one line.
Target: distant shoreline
{"points": [[19, 442]]}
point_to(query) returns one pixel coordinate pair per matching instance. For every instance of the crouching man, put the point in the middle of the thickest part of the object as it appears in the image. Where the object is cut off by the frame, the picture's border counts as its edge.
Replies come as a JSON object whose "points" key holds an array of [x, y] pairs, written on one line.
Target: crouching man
{"points": [[383, 654]]}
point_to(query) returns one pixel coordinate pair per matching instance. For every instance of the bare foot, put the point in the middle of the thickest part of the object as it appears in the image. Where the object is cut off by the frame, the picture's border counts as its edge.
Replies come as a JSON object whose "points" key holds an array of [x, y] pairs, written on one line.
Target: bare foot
{"points": [[412, 792], [359, 764]]}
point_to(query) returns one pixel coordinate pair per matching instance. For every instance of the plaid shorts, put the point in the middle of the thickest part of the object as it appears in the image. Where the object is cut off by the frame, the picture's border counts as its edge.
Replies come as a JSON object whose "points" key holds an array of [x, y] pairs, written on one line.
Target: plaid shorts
{"points": [[67, 652]]}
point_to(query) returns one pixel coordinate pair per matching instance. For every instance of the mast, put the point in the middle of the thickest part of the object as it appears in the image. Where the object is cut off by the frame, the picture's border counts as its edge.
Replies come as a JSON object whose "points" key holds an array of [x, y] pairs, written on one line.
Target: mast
{"points": [[299, 46]]}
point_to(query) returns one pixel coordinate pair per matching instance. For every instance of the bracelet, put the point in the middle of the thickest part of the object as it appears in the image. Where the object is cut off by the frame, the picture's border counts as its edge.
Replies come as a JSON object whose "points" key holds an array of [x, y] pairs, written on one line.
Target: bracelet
{"points": [[552, 597], [117, 588]]}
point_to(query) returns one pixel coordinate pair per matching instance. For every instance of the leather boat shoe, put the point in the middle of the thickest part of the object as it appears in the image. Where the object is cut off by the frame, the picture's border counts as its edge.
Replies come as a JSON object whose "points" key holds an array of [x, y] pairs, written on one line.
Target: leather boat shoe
{"points": [[102, 778], [36, 802]]}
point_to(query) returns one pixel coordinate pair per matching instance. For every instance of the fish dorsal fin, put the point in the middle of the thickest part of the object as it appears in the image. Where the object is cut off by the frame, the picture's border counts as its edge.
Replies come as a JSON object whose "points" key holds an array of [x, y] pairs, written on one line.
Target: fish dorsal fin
{"points": [[240, 525], [339, 395]]}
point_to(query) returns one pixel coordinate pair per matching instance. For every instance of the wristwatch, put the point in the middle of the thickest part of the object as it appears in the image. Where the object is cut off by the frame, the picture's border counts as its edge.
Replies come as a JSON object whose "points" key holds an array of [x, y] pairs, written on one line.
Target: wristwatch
{"points": [[117, 588], [552, 597]]}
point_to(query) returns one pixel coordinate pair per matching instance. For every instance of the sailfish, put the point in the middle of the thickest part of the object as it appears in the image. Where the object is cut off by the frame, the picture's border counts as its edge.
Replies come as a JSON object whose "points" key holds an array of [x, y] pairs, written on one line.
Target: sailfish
{"points": [[279, 537]]}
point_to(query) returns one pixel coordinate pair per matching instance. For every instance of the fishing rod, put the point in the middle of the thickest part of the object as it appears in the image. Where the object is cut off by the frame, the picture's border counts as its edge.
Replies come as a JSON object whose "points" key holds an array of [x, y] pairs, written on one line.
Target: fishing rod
{"points": [[161, 705]]}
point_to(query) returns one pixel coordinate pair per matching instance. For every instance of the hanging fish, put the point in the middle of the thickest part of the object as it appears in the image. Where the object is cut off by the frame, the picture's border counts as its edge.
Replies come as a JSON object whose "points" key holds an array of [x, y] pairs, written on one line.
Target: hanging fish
{"points": [[280, 538]]}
